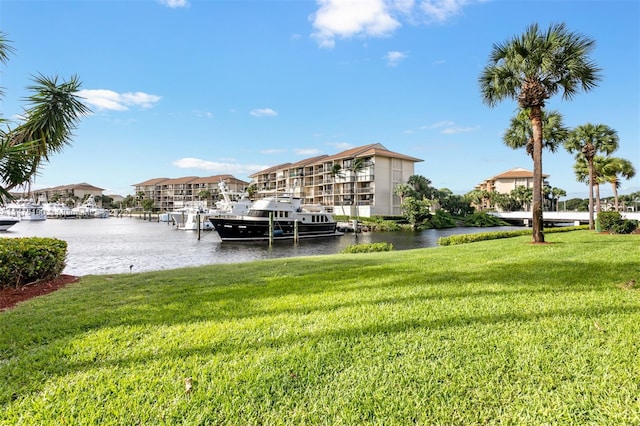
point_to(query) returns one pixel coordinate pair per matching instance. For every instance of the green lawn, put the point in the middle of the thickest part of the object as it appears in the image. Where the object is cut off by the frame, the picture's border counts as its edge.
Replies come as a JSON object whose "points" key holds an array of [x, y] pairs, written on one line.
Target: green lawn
{"points": [[494, 332]]}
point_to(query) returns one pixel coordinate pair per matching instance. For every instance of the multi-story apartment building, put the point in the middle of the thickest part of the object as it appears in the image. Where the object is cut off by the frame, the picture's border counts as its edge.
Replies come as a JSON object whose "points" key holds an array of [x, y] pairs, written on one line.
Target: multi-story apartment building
{"points": [[169, 194], [71, 195], [334, 182]]}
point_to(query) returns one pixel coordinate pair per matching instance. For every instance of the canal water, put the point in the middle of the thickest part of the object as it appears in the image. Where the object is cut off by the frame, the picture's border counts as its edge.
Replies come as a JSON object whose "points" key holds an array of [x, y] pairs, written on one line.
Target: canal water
{"points": [[124, 245]]}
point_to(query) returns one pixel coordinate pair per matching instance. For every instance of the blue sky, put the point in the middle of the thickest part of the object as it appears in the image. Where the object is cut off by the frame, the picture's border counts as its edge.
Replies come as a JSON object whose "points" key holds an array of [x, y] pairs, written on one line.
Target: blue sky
{"points": [[195, 87]]}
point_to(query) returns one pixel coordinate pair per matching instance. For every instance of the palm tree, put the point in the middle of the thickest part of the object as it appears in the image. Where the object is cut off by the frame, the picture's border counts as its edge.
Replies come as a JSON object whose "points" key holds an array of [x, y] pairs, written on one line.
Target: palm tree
{"points": [[404, 190], [53, 112], [335, 172], [356, 166], [556, 193], [586, 142], [613, 169], [531, 69], [421, 185], [520, 133]]}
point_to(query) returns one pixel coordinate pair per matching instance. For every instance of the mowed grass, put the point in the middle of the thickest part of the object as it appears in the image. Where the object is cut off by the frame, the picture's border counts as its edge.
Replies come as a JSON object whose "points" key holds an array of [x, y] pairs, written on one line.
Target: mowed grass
{"points": [[495, 332]]}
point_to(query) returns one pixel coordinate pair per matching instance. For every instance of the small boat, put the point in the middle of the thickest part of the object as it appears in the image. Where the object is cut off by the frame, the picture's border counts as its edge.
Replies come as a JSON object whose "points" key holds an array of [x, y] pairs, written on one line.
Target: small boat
{"points": [[189, 218], [24, 209], [278, 217], [7, 222]]}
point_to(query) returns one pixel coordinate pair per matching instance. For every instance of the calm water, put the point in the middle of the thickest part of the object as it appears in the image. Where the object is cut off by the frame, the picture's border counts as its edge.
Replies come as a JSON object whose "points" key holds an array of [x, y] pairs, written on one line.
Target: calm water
{"points": [[110, 246]]}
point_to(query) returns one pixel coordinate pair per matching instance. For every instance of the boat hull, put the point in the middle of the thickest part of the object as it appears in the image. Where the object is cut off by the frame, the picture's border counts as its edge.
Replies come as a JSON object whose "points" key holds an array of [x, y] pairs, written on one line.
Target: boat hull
{"points": [[247, 228], [7, 222]]}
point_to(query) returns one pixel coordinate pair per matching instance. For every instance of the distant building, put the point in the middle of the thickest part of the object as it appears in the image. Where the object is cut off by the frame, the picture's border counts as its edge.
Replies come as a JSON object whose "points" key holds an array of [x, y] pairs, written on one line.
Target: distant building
{"points": [[329, 180], [506, 182], [169, 194], [71, 195]]}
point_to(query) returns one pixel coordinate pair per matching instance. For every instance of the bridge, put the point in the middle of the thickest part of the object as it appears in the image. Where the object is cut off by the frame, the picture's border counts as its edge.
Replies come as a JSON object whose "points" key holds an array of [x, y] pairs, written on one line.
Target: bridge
{"points": [[577, 218]]}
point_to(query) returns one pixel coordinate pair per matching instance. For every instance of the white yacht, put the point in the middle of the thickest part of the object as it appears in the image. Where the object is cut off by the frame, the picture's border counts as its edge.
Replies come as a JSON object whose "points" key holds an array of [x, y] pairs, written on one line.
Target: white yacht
{"points": [[24, 209]]}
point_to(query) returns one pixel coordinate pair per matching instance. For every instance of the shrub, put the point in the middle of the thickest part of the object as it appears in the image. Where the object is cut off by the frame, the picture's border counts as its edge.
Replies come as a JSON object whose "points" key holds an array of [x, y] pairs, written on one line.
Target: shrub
{"points": [[441, 220], [608, 219], [368, 248], [27, 260], [624, 226], [614, 223], [483, 219]]}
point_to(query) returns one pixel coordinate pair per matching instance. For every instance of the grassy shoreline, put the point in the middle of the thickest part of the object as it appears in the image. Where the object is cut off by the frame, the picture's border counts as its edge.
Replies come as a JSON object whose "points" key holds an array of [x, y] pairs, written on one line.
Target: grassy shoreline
{"points": [[491, 332]]}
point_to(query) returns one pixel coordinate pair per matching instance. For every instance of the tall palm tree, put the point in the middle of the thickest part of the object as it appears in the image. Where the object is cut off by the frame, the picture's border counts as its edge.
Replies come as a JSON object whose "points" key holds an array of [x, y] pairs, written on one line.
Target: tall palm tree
{"points": [[556, 193], [615, 168], [531, 69], [586, 141], [53, 113]]}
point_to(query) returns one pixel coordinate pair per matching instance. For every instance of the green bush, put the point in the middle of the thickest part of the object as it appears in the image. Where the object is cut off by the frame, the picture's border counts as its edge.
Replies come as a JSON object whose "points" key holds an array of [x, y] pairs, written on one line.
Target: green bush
{"points": [[27, 260], [613, 222], [483, 219], [368, 248], [624, 226], [608, 219]]}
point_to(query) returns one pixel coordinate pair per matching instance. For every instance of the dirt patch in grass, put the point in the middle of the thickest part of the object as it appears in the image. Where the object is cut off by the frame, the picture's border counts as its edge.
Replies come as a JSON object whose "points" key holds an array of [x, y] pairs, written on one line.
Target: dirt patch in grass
{"points": [[9, 297]]}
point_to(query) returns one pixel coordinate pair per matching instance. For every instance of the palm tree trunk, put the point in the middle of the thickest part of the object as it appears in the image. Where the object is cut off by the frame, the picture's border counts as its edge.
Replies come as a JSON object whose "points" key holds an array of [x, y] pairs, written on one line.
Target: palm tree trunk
{"points": [[538, 221], [598, 204], [615, 195], [591, 185]]}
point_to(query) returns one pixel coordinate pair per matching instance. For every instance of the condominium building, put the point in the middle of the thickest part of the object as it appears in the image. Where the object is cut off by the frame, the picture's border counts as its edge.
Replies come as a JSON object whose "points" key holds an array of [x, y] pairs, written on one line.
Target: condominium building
{"points": [[359, 181], [72, 195], [169, 194]]}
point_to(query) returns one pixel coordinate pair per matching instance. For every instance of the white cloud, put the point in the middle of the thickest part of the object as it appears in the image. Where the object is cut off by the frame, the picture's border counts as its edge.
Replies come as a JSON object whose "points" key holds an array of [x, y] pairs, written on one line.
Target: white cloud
{"points": [[218, 167], [348, 18], [440, 124], [263, 112], [341, 146], [307, 151], [272, 151], [393, 58], [109, 100], [376, 18], [454, 130], [175, 3], [441, 10]]}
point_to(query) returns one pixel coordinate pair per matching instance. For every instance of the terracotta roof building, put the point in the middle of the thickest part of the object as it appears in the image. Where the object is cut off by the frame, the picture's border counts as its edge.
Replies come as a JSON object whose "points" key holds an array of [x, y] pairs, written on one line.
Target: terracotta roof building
{"points": [[169, 194], [331, 181]]}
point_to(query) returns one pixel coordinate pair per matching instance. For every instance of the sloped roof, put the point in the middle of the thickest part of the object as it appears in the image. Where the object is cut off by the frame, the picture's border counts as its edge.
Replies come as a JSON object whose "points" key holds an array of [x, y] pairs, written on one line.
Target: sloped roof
{"points": [[515, 173], [150, 182], [83, 186], [217, 179], [376, 149], [271, 169], [308, 161]]}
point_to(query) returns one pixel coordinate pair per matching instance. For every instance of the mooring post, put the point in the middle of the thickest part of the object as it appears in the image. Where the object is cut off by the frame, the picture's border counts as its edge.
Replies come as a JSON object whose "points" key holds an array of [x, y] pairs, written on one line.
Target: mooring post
{"points": [[198, 224], [270, 229]]}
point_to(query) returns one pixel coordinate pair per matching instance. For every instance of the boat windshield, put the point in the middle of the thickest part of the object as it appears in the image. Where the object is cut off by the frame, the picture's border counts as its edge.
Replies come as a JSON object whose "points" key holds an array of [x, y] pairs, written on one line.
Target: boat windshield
{"points": [[258, 213]]}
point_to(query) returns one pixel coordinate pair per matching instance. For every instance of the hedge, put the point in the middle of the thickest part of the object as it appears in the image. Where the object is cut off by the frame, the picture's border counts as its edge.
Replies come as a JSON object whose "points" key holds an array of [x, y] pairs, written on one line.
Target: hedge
{"points": [[484, 236], [28, 260]]}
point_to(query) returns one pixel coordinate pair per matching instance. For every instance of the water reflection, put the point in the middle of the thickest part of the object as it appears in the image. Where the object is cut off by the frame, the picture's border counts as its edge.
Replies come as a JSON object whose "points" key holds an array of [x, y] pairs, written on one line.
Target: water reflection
{"points": [[107, 246]]}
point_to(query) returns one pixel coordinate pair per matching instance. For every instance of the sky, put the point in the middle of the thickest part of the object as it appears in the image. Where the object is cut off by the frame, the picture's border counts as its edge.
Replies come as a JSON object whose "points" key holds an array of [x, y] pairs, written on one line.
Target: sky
{"points": [[206, 87]]}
